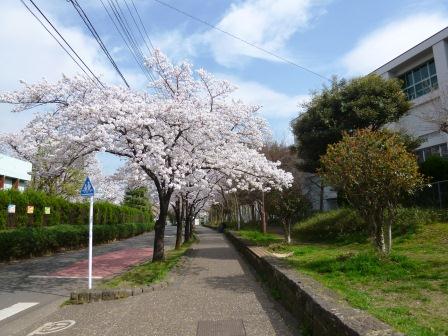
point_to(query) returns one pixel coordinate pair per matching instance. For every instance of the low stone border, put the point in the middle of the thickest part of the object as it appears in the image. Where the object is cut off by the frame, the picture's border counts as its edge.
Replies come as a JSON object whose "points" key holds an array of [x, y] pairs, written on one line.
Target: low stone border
{"points": [[210, 227], [95, 295], [319, 310]]}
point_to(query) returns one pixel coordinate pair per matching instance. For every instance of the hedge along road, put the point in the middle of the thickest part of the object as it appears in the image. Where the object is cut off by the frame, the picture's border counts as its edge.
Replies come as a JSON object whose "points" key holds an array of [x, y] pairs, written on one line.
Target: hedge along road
{"points": [[33, 288]]}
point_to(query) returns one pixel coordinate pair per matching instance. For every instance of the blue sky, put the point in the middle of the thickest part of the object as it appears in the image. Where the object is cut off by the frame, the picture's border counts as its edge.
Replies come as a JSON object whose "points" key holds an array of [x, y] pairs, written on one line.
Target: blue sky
{"points": [[332, 37]]}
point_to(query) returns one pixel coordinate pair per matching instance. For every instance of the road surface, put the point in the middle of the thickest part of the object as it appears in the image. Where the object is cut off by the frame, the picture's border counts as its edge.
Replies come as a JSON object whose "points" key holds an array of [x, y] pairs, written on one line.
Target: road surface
{"points": [[31, 289]]}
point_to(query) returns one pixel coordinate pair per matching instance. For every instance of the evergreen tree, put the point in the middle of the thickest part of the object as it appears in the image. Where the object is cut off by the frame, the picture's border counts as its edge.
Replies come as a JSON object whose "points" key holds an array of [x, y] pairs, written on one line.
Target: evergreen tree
{"points": [[137, 198]]}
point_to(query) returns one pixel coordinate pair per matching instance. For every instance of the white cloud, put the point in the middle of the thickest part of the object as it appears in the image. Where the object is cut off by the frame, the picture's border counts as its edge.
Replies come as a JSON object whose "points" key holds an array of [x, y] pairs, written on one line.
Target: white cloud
{"points": [[391, 40], [266, 23], [29, 53], [176, 45], [269, 24], [276, 107]]}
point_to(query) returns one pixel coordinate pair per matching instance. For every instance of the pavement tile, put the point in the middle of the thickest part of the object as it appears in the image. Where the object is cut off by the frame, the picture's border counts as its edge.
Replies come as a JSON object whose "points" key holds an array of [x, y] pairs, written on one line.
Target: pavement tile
{"points": [[213, 284]]}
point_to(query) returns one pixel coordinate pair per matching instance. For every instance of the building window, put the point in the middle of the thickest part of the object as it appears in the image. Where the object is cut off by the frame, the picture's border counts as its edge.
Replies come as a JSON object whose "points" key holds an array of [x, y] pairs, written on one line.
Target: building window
{"points": [[420, 80], [438, 150]]}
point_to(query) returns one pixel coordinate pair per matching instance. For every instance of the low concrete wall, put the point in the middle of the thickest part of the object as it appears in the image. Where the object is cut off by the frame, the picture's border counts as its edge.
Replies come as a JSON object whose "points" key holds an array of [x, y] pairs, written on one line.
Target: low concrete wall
{"points": [[95, 295], [320, 311]]}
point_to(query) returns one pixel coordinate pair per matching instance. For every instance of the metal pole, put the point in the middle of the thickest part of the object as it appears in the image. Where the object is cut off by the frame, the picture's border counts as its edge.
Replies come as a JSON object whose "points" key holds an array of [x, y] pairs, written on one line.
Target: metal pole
{"points": [[90, 240], [440, 195]]}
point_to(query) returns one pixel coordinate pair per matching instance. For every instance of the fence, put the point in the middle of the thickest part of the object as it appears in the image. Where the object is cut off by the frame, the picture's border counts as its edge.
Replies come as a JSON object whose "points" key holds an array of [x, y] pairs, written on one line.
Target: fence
{"points": [[435, 195]]}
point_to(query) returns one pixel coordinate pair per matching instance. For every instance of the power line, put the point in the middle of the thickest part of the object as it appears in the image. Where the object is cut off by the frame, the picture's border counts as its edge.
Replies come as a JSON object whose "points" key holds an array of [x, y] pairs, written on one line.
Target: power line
{"points": [[55, 38], [65, 41], [138, 28], [97, 37], [126, 35], [141, 22], [241, 39]]}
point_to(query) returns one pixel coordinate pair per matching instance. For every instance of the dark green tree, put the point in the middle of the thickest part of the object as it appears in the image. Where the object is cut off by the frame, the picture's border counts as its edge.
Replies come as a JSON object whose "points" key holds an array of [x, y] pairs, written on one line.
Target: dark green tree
{"points": [[345, 106], [137, 198]]}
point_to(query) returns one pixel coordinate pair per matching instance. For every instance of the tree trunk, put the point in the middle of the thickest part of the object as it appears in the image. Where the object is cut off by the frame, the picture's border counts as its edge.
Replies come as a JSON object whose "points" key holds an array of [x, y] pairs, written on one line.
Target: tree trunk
{"points": [[238, 217], [159, 232], [321, 196], [287, 231], [191, 227], [379, 238], [389, 237], [252, 213], [263, 214], [178, 212], [187, 233]]}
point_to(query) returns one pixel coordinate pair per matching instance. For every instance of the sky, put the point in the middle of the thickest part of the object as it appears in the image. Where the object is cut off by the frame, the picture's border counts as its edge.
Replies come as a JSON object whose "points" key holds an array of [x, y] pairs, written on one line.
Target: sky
{"points": [[343, 38]]}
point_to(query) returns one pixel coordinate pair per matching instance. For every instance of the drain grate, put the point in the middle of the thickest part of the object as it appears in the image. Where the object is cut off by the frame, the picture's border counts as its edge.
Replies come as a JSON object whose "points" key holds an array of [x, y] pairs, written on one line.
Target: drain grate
{"points": [[221, 328]]}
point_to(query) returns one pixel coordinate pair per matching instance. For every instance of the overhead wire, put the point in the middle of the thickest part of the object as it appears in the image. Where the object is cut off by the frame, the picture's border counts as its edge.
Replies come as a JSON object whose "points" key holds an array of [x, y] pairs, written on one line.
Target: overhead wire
{"points": [[284, 59], [97, 37], [98, 81], [55, 38], [127, 36], [138, 28], [141, 22]]}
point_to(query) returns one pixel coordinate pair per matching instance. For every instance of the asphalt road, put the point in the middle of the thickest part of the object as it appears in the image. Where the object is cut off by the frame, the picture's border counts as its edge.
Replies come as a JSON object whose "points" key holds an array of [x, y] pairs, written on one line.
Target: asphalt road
{"points": [[212, 292], [29, 292]]}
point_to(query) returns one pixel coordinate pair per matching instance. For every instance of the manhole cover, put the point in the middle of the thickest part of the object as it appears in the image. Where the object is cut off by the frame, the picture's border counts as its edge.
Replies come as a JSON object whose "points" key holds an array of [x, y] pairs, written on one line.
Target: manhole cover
{"points": [[52, 327], [221, 328]]}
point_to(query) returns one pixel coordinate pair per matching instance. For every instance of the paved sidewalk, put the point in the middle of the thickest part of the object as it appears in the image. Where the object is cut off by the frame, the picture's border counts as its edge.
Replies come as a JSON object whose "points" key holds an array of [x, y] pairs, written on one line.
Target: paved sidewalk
{"points": [[42, 283], [213, 289]]}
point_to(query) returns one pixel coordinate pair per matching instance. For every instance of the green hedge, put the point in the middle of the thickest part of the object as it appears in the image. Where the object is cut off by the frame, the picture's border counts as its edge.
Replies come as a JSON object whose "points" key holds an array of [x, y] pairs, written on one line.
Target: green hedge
{"points": [[345, 225], [37, 241], [64, 212]]}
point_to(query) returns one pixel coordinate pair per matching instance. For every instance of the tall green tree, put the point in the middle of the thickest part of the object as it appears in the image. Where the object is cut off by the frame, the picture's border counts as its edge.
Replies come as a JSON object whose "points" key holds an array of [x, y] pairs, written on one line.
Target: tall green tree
{"points": [[137, 198], [344, 106]]}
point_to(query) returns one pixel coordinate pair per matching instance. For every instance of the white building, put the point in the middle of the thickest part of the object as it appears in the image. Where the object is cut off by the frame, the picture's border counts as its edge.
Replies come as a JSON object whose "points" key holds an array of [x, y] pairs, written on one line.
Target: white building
{"points": [[424, 70], [14, 173]]}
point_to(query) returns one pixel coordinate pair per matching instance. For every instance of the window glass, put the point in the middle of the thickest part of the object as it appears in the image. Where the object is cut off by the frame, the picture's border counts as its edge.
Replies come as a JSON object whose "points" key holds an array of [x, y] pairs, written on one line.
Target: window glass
{"points": [[424, 71], [432, 68], [444, 148], [420, 80], [417, 75]]}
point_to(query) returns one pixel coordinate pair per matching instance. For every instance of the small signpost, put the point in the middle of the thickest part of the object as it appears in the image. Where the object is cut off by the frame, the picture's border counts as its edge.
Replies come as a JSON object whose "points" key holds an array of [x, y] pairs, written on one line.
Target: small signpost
{"points": [[11, 214], [87, 190], [30, 212]]}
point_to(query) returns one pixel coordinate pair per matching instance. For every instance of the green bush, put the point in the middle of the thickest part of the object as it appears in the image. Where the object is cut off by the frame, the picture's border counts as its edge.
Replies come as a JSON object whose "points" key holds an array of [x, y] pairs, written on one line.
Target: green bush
{"points": [[436, 168], [336, 225], [37, 241], [345, 225], [64, 212]]}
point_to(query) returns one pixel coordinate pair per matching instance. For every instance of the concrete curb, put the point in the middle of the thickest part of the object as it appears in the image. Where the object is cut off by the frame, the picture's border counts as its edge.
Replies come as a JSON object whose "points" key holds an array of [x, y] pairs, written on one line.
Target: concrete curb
{"points": [[95, 295], [319, 310]]}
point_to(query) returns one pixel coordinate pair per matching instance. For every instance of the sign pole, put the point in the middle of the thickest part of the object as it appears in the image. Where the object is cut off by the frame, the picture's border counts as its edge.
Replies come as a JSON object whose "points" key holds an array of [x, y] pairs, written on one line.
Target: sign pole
{"points": [[88, 190], [90, 240]]}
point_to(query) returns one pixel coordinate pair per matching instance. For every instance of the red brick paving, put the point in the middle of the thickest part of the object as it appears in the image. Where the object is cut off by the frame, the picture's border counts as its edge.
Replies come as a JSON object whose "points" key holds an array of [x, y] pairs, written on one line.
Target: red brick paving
{"points": [[107, 264]]}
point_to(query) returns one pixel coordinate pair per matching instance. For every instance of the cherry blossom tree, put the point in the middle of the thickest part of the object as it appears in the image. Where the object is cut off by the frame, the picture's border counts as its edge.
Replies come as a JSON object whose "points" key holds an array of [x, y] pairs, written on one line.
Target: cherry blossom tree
{"points": [[186, 124]]}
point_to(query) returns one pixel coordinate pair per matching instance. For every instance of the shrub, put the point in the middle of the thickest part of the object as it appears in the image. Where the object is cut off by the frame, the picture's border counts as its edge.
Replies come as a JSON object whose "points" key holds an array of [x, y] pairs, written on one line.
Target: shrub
{"points": [[64, 212], [375, 171], [336, 225], [346, 226], [436, 168], [37, 241]]}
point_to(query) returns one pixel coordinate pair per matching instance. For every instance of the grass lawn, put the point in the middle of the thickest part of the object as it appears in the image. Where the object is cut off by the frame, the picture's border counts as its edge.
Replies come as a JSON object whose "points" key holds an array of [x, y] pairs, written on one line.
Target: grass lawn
{"points": [[148, 272], [257, 238], [408, 290]]}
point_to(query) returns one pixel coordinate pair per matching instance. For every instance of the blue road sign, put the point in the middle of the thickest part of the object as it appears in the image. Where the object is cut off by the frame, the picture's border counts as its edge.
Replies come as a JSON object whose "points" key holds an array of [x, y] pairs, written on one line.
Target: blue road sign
{"points": [[87, 189]]}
